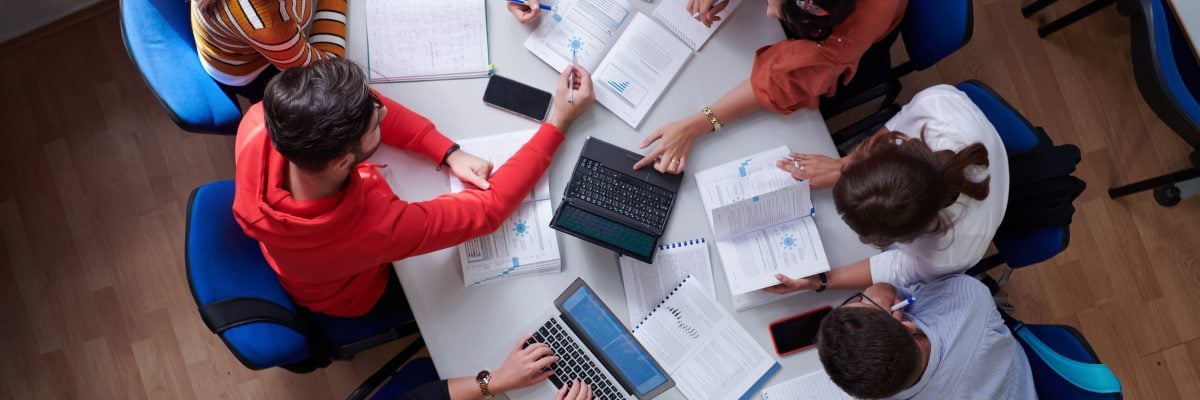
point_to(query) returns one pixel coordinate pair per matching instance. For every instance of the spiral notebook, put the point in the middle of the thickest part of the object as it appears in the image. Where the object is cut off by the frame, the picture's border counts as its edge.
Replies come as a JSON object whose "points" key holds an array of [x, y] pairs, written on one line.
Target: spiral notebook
{"points": [[647, 284], [814, 386], [409, 40], [708, 354], [673, 15]]}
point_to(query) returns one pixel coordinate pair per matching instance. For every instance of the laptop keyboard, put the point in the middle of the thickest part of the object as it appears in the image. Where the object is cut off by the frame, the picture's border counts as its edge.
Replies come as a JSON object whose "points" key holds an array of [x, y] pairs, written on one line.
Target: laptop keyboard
{"points": [[573, 362], [633, 198]]}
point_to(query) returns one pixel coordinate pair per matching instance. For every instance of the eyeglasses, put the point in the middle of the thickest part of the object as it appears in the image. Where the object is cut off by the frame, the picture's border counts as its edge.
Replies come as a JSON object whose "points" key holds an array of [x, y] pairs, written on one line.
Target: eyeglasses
{"points": [[858, 298]]}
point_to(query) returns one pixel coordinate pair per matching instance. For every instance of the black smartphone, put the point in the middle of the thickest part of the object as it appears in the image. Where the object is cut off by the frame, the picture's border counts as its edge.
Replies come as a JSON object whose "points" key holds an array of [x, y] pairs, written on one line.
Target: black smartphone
{"points": [[798, 332], [517, 97]]}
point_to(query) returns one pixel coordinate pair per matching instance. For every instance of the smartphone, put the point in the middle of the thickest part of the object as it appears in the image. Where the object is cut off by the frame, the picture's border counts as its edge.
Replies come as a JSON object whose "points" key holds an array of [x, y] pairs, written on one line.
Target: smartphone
{"points": [[517, 97], [798, 332]]}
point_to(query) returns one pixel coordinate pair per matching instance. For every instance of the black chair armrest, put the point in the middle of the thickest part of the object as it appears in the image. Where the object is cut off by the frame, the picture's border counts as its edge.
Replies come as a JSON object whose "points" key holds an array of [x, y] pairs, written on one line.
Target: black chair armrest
{"points": [[849, 137], [387, 370]]}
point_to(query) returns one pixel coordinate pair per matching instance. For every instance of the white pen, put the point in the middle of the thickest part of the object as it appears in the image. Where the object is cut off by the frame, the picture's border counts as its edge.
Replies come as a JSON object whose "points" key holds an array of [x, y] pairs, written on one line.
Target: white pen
{"points": [[571, 79], [904, 304]]}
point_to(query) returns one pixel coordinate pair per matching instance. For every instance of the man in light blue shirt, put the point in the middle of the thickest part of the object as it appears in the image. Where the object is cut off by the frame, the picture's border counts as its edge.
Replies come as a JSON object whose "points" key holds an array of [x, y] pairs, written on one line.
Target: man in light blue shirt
{"points": [[950, 343]]}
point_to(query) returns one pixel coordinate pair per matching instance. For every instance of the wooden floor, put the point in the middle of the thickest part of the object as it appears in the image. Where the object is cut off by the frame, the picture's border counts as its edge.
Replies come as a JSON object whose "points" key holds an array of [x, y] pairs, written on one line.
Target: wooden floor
{"points": [[94, 176]]}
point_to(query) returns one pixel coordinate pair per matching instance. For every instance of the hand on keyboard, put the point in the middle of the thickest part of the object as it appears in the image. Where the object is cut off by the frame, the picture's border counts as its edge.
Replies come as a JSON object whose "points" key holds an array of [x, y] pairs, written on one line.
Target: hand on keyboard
{"points": [[524, 367], [576, 391]]}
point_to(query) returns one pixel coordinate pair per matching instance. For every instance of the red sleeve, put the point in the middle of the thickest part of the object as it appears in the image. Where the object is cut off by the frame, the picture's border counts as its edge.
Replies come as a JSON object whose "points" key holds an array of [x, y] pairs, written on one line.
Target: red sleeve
{"points": [[794, 74], [450, 219], [410, 131]]}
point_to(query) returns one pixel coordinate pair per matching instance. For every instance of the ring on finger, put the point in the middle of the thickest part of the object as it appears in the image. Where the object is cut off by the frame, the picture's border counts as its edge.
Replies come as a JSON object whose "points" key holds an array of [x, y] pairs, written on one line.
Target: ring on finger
{"points": [[673, 162]]}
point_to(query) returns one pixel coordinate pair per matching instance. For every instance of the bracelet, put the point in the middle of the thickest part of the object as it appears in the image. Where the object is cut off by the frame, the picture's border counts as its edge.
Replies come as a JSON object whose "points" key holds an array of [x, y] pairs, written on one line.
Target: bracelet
{"points": [[453, 148], [824, 282], [712, 119]]}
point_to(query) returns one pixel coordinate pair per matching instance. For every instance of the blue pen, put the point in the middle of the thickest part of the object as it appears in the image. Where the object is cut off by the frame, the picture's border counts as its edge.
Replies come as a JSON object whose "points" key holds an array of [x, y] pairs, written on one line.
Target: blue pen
{"points": [[904, 304], [541, 6], [571, 81]]}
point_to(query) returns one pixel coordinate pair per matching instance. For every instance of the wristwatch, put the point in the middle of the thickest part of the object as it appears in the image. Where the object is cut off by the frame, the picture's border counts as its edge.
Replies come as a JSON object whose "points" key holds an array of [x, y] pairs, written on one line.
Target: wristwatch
{"points": [[824, 282], [453, 148], [482, 379]]}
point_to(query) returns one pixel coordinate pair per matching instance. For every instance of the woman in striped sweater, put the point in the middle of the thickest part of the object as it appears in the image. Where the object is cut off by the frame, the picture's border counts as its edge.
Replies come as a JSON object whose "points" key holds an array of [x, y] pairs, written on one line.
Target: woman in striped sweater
{"points": [[243, 43]]}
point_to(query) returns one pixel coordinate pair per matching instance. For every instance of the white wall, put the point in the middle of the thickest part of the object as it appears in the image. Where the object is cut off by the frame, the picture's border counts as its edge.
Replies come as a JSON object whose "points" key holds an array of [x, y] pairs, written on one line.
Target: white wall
{"points": [[18, 17]]}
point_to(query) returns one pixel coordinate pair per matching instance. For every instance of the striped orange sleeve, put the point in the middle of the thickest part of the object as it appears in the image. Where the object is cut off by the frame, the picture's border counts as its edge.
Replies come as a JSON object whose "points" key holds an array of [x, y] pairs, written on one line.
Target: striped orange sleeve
{"points": [[272, 32], [328, 33]]}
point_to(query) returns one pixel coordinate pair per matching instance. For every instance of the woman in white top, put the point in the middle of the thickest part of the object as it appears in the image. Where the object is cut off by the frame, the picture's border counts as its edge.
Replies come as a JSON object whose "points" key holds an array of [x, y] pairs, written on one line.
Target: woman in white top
{"points": [[930, 188]]}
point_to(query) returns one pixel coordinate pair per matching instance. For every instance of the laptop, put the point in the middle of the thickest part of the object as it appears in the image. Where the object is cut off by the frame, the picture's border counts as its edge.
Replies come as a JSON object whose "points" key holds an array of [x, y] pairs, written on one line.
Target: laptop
{"points": [[613, 206], [593, 346]]}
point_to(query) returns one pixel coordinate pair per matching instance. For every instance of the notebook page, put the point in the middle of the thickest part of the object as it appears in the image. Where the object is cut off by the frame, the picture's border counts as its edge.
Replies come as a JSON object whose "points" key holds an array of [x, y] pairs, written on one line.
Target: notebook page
{"points": [[673, 14], [706, 351], [638, 69], [591, 26], [497, 149], [416, 40], [646, 285], [814, 386]]}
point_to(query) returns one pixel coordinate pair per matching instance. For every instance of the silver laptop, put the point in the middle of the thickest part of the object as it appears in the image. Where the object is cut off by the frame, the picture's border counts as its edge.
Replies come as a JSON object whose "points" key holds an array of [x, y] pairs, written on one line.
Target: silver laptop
{"points": [[593, 346]]}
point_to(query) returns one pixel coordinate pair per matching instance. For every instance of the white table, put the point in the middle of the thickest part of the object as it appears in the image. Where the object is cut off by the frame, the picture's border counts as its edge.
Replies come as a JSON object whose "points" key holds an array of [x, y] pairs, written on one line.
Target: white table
{"points": [[468, 329]]}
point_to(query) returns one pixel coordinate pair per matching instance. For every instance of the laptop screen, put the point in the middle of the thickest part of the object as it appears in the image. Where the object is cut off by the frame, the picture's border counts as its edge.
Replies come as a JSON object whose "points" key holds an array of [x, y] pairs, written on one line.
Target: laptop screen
{"points": [[609, 337]]}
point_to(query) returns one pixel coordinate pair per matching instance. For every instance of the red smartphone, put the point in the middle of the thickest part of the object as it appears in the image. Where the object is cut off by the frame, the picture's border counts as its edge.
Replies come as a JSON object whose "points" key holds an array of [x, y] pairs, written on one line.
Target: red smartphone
{"points": [[797, 332]]}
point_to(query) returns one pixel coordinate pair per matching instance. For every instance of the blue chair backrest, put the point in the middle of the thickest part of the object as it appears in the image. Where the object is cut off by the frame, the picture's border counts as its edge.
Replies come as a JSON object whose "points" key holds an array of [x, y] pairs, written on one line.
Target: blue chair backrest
{"points": [[1019, 136], [934, 29], [1176, 65], [158, 37], [223, 263], [1064, 366]]}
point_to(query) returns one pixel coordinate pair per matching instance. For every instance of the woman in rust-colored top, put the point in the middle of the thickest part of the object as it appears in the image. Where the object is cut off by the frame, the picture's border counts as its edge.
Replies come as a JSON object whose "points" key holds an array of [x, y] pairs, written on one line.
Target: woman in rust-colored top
{"points": [[832, 35]]}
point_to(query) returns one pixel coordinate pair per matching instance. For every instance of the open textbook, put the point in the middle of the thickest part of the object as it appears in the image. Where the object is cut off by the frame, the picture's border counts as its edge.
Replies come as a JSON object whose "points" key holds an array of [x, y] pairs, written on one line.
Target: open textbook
{"points": [[708, 354], [647, 284], [525, 245], [762, 220], [632, 58]]}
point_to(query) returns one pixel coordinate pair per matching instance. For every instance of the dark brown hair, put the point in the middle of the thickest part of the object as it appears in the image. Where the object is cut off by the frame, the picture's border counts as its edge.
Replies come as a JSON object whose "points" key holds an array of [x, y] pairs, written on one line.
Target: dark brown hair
{"points": [[867, 353], [800, 24], [318, 112], [897, 189]]}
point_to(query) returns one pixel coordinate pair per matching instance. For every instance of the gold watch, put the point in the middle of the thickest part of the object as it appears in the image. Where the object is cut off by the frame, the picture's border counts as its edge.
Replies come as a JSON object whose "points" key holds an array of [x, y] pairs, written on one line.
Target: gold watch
{"points": [[482, 379]]}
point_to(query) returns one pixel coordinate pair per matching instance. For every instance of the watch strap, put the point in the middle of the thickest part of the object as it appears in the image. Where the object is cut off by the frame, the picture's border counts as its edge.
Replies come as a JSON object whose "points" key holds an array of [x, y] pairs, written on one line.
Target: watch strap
{"points": [[824, 278], [483, 378], [453, 148]]}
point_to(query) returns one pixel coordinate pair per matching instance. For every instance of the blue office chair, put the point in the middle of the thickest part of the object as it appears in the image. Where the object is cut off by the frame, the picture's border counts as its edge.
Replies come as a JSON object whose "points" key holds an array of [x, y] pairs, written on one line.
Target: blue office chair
{"points": [[158, 37], [1168, 75], [932, 30], [1063, 364], [398, 376], [1019, 136], [240, 298]]}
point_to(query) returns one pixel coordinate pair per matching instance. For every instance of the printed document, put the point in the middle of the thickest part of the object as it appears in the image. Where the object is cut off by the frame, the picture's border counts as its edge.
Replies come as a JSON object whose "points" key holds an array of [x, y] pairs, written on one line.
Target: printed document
{"points": [[762, 220], [646, 285], [673, 15], [814, 386], [525, 245], [708, 354]]}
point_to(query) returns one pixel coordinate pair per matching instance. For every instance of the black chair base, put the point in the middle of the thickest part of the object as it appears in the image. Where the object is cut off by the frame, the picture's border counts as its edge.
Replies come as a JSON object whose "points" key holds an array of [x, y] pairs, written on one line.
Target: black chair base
{"points": [[1066, 20], [1165, 191]]}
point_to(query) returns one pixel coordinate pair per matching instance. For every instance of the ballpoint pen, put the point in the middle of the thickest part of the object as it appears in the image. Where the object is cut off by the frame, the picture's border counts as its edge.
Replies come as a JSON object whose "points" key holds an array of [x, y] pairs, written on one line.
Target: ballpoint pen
{"points": [[571, 79], [904, 304], [541, 6]]}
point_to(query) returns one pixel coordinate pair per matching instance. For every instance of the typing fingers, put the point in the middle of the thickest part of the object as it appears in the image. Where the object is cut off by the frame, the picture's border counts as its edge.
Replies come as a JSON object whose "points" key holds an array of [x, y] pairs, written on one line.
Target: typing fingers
{"points": [[651, 158]]}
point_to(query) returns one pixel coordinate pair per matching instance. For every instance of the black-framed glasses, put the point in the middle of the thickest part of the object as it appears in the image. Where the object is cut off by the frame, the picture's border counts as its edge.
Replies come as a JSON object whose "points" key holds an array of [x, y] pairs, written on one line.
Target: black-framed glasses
{"points": [[858, 298]]}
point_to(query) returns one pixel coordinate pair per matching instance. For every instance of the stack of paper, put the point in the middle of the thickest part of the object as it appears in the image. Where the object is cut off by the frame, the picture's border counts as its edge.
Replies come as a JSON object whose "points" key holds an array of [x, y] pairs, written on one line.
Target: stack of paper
{"points": [[762, 219], [525, 245], [410, 40]]}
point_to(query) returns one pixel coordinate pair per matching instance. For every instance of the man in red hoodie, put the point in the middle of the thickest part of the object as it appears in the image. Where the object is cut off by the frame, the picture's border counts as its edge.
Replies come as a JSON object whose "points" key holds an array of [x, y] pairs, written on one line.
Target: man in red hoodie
{"points": [[328, 222]]}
